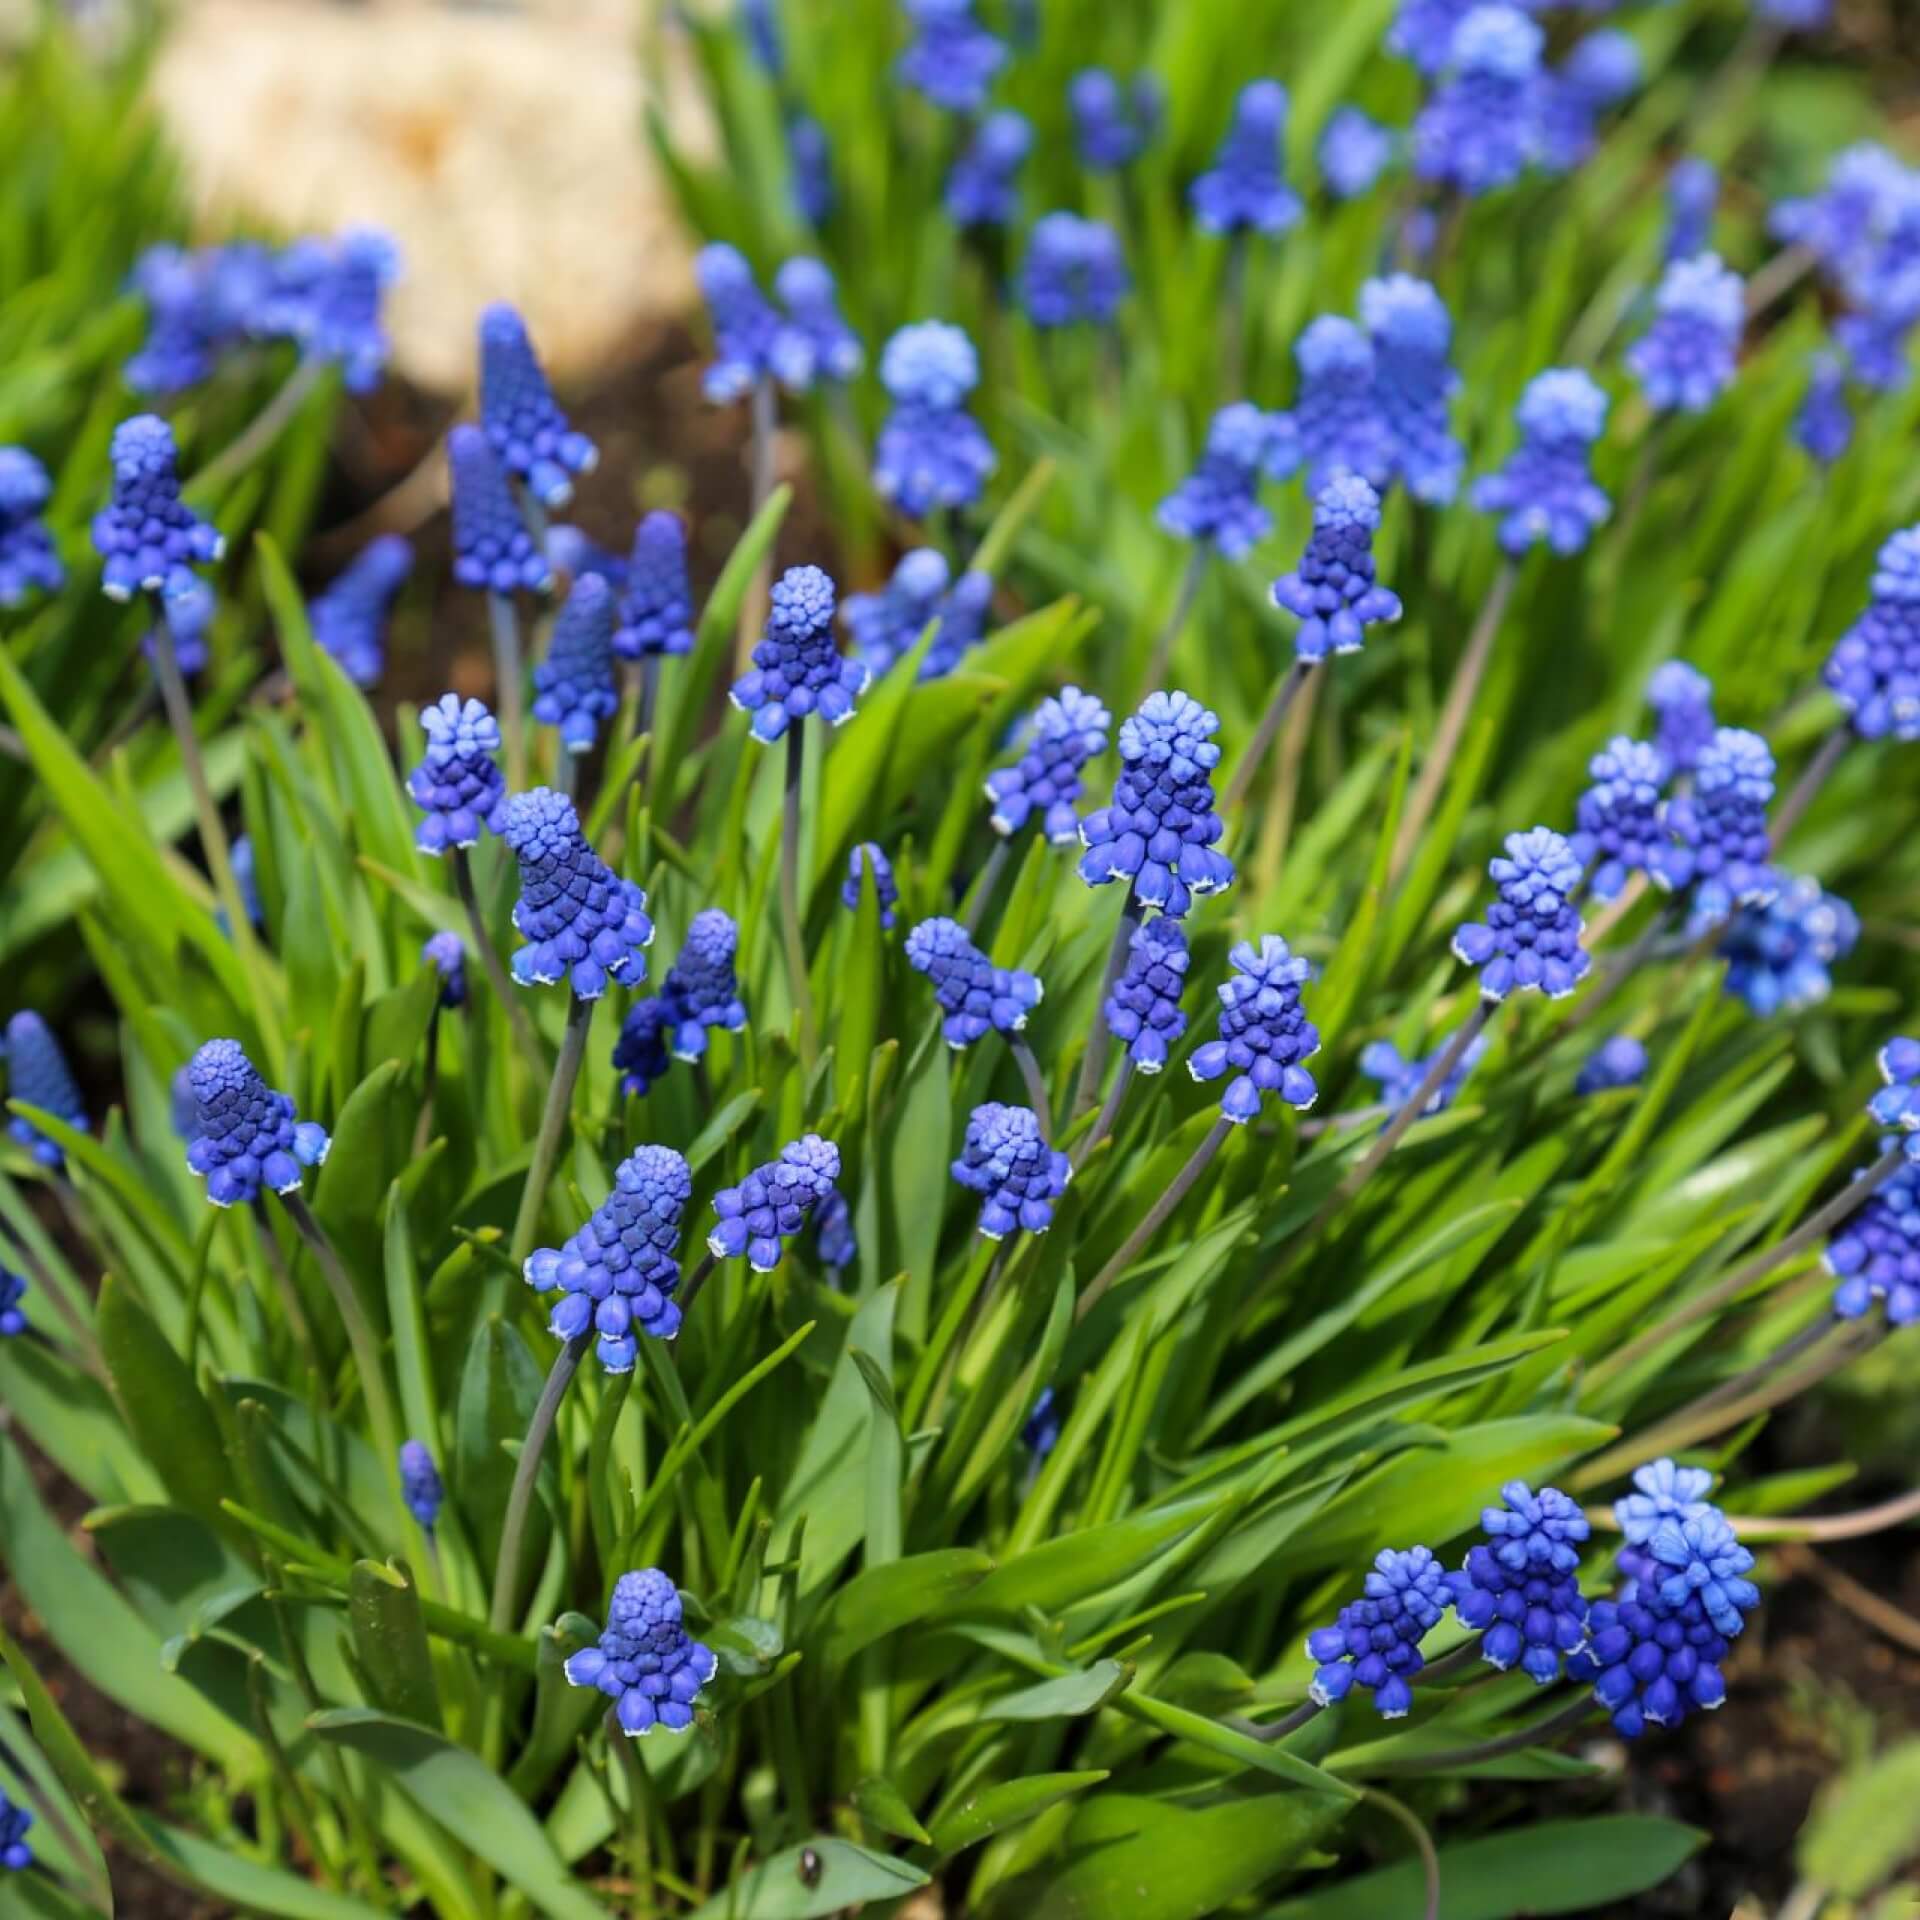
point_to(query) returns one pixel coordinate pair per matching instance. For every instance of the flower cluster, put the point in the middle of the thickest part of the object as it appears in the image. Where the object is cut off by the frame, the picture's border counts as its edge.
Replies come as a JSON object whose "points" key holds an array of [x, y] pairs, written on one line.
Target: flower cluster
{"points": [[446, 954], [953, 58], [13, 1319], [1334, 591], [1265, 1035], [493, 551], [745, 326], [28, 562], [1007, 1161], [15, 1855], [1530, 939], [326, 297], [797, 669], [1414, 382], [1688, 357], [1896, 1103], [772, 1203], [1066, 731], [886, 890], [1618, 828], [245, 1135], [1875, 1256], [931, 453], [646, 1662], [617, 1273], [1143, 1010], [147, 536], [1219, 502], [1618, 1062], [1160, 832], [815, 343], [701, 991], [349, 620], [1244, 190], [1374, 1641], [529, 434], [1546, 491], [1521, 1587], [574, 688], [199, 305], [582, 923], [1355, 150], [1693, 191], [1824, 424], [976, 997], [655, 612], [1399, 1078], [1874, 670], [1721, 847], [983, 190], [1479, 127], [1337, 424], [1074, 272], [1780, 956], [1682, 700], [458, 785], [888, 624], [1112, 124], [184, 618], [1598, 72], [38, 1076], [420, 1484]]}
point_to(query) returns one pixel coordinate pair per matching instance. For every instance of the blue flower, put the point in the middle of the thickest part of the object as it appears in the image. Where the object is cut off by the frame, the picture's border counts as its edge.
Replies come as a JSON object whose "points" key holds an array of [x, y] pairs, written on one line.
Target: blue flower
{"points": [[1824, 424], [1546, 490], [1334, 592], [1006, 1160], [529, 434], [1041, 1432], [1616, 1063], [1799, 16], [1161, 833], [1875, 1256], [198, 305], [147, 536], [571, 552], [931, 452], [1265, 1034], [1780, 956], [420, 1485], [15, 1855], [13, 1320], [492, 550], [983, 190], [1143, 1010], [1521, 1589], [646, 1662], [1479, 127], [1662, 1492], [246, 884], [458, 784], [1650, 1664], [1337, 424], [976, 997], [930, 364], [1874, 346], [245, 1134], [38, 1075], [1688, 357], [28, 562], [655, 614], [1112, 125], [773, 1202], [326, 297], [1682, 700], [1066, 731], [1074, 273], [1847, 226], [617, 1273], [1599, 72], [797, 669], [186, 617], [834, 1240], [953, 58], [349, 619], [581, 921], [1721, 848], [814, 342], [1219, 501], [810, 164], [1355, 150], [1423, 31], [1874, 670], [745, 325], [1693, 191], [884, 887], [574, 687], [1530, 939], [1897, 1103], [1374, 1641], [701, 990], [887, 625], [1399, 1078], [640, 1053], [1244, 190], [1699, 1559], [1618, 826], [1412, 333], [446, 954]]}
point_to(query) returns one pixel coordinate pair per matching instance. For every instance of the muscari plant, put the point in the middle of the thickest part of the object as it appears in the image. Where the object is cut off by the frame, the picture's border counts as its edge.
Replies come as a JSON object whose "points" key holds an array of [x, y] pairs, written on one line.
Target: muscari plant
{"points": [[730, 1452]]}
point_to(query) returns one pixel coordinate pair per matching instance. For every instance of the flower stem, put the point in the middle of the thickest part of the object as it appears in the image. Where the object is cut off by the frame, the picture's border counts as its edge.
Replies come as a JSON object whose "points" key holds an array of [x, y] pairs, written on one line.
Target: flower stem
{"points": [[1797, 1527], [366, 1350], [639, 1861], [689, 1289], [1087, 1091], [1551, 1728], [1778, 278], [1037, 1097], [509, 690], [497, 977], [553, 1122], [1263, 738], [1190, 584], [983, 887], [429, 1087], [1453, 720], [1422, 1840], [790, 928], [1267, 1731], [1806, 789], [1108, 1114], [262, 430], [513, 1524], [1201, 1159]]}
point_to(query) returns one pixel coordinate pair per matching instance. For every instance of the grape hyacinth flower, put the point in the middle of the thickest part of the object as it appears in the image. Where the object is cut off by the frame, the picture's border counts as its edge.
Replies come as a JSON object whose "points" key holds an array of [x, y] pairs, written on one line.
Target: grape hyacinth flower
{"points": [[646, 1662], [147, 536], [931, 453], [1400, 1079], [1618, 1062], [745, 325], [1875, 1256], [975, 996], [349, 619], [617, 1273], [1598, 72], [1374, 1641], [198, 305], [1874, 670], [28, 562], [1546, 491], [246, 883], [420, 1484], [1355, 150], [1530, 939], [1897, 1103], [326, 297], [810, 168], [1160, 832], [886, 891], [1066, 731], [1618, 826], [1265, 1034], [1846, 225], [1693, 191], [1412, 334], [571, 552], [1143, 1010], [983, 190], [1007, 1161], [1337, 424], [887, 625], [458, 786], [492, 550], [1244, 190], [1688, 356], [1074, 273], [13, 1319], [655, 612], [1040, 1433], [581, 921], [38, 1076], [1797, 16], [701, 990], [1219, 502], [1334, 592], [1662, 1492], [1520, 1589], [529, 434], [773, 1202], [761, 21], [246, 1136], [1721, 847], [574, 687], [446, 954], [1112, 124], [1780, 956], [815, 343], [1682, 700], [15, 1855], [1423, 31], [1479, 127], [188, 616], [640, 1053], [1824, 423], [797, 669], [953, 58], [835, 1243]]}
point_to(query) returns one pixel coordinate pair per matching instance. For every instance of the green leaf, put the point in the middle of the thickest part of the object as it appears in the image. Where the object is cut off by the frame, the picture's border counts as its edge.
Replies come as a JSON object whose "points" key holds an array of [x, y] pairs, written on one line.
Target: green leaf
{"points": [[883, 1599], [883, 1805], [1865, 1825], [980, 1814], [469, 1799], [498, 1392], [848, 1876], [1067, 1698], [406, 1316], [383, 1614], [355, 1175]]}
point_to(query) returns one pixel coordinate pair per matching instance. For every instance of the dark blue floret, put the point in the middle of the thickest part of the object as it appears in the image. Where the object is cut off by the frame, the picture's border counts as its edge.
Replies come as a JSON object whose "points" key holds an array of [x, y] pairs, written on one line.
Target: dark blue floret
{"points": [[574, 687], [1897, 1101], [1245, 190], [772, 1204], [1143, 1010], [148, 538], [1875, 1256], [645, 1662], [701, 990], [810, 167], [1040, 1433], [931, 453], [1007, 1161], [1412, 335], [1693, 191], [28, 562], [38, 1075], [655, 614], [1522, 1589], [1374, 1641], [1530, 939], [797, 668], [1618, 826], [976, 997], [640, 1053], [1824, 424], [1337, 423], [814, 343], [1112, 124], [1874, 671], [1689, 355], [1355, 150], [1682, 700], [1219, 502], [884, 887], [888, 624], [1599, 72], [492, 550], [420, 1485], [1400, 1078], [1074, 274], [983, 190], [1546, 491], [1334, 592], [953, 58], [1480, 126], [834, 1239], [15, 1855], [1617, 1062], [582, 923], [458, 785], [529, 434], [446, 954], [13, 1323], [326, 296], [1721, 848], [350, 619], [1780, 956], [187, 618], [1265, 1035], [745, 325], [1066, 731], [245, 1135]]}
